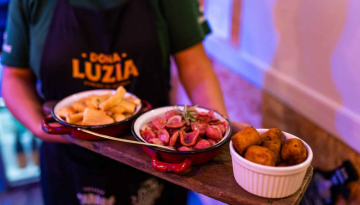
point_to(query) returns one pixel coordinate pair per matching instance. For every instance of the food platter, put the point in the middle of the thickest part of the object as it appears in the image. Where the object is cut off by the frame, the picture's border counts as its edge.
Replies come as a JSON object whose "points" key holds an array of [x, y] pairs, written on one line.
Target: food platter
{"points": [[181, 161]]}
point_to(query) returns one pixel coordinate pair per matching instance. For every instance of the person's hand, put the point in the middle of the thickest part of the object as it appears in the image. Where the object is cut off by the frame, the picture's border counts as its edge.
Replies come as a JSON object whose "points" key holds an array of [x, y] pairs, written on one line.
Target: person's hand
{"points": [[47, 107], [49, 137], [237, 126]]}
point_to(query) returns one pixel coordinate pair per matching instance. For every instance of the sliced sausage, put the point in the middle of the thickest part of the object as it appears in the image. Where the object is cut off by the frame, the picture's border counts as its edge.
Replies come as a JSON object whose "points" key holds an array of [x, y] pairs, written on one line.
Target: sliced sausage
{"points": [[202, 144], [214, 122], [225, 124], [173, 139], [222, 128], [147, 135], [211, 115], [212, 142], [171, 113], [156, 141], [159, 122], [214, 132], [163, 135], [203, 117], [189, 139], [201, 126], [175, 122]]}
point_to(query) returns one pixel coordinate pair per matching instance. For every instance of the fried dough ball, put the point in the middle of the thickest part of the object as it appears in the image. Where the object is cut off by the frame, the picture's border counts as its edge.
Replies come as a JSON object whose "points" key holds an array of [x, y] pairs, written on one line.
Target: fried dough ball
{"points": [[273, 139], [274, 132], [273, 145], [260, 155], [283, 164], [245, 138], [293, 151]]}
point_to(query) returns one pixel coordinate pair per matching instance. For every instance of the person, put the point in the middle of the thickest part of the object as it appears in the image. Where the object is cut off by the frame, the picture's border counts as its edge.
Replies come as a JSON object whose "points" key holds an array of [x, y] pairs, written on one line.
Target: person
{"points": [[57, 48]]}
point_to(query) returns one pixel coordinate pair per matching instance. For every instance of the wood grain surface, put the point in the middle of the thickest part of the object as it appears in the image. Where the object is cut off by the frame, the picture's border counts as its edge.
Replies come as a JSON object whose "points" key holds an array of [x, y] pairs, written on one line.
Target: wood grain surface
{"points": [[214, 178]]}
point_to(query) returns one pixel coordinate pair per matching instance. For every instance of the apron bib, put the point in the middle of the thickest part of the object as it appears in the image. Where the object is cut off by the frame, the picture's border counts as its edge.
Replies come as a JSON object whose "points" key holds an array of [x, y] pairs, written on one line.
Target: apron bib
{"points": [[89, 49]]}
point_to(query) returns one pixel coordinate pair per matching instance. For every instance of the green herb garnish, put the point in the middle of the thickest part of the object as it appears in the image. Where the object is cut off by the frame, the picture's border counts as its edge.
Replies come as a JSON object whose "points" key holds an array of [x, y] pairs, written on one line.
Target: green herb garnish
{"points": [[188, 114]]}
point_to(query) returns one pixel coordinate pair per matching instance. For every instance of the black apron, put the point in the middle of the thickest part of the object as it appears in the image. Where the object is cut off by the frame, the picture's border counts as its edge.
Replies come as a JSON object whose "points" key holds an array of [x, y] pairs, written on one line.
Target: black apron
{"points": [[101, 49]]}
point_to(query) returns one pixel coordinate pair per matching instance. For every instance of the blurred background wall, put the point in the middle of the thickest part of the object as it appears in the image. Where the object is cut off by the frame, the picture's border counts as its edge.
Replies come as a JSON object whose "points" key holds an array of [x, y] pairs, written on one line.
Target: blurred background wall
{"points": [[303, 52], [292, 65]]}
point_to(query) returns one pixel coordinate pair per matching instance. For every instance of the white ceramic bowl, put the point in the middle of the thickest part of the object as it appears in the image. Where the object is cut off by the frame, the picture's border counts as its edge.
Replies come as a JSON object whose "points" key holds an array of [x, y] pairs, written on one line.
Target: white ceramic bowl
{"points": [[267, 181]]}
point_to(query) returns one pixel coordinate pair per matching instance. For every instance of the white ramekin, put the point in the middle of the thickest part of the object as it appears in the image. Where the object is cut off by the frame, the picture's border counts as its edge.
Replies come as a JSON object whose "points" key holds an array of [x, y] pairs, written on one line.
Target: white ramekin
{"points": [[266, 181]]}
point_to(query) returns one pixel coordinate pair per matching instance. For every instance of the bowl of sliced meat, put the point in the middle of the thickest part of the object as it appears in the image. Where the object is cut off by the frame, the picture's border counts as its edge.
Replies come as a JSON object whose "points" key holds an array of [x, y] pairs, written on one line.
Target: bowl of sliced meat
{"points": [[196, 134]]}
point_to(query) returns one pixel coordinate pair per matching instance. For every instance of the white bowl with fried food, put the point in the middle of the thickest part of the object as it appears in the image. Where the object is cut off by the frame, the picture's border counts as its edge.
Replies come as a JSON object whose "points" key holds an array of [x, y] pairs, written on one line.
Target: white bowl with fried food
{"points": [[269, 181]]}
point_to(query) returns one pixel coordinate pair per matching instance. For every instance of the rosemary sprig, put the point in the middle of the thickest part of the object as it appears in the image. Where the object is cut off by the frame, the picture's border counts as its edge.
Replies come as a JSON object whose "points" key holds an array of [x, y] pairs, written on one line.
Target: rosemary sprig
{"points": [[188, 113]]}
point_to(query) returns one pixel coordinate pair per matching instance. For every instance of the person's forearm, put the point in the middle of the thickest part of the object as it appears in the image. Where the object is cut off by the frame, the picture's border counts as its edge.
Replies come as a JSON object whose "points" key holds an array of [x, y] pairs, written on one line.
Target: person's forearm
{"points": [[199, 79], [204, 89], [21, 99]]}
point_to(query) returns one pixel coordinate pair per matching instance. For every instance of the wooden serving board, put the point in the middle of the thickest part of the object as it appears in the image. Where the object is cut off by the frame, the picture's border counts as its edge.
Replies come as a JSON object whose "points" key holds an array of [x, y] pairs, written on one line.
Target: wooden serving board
{"points": [[214, 178]]}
